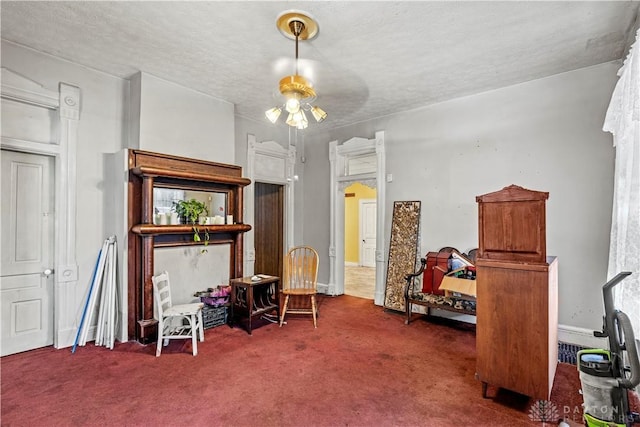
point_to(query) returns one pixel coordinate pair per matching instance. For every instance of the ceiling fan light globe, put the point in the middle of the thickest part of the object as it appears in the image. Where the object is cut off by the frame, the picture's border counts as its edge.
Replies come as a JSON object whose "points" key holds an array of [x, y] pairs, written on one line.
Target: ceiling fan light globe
{"points": [[301, 119], [298, 120], [318, 113], [291, 121], [273, 114], [292, 105]]}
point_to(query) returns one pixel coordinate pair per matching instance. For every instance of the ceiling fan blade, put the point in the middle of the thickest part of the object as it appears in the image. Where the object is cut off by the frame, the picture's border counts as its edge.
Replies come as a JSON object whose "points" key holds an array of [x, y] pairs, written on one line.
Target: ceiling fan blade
{"points": [[333, 82], [285, 66]]}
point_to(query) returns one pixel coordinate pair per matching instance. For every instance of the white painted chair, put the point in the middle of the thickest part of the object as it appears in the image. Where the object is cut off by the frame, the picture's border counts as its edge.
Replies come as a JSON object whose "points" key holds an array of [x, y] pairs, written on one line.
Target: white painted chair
{"points": [[181, 321]]}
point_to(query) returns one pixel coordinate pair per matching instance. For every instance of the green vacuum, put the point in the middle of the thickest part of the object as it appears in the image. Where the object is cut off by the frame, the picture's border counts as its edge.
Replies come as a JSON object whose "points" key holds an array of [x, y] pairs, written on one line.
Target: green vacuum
{"points": [[606, 376]]}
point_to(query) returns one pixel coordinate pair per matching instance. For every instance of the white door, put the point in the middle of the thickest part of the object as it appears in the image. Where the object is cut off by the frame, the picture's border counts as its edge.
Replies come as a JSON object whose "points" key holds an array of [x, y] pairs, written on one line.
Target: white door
{"points": [[368, 232], [26, 285]]}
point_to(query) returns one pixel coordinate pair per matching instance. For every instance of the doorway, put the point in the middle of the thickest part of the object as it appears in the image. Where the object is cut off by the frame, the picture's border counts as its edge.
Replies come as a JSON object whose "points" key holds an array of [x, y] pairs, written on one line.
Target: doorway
{"points": [[269, 228], [372, 173], [270, 166], [44, 123], [26, 269], [359, 240]]}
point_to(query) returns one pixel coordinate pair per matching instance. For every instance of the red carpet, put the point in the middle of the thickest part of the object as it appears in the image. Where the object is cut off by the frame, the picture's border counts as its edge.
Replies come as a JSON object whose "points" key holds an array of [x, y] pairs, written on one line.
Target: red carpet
{"points": [[362, 366]]}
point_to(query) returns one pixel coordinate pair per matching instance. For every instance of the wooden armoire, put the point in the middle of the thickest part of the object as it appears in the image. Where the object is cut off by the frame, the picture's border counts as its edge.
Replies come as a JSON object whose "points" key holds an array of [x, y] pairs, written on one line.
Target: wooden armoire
{"points": [[517, 294]]}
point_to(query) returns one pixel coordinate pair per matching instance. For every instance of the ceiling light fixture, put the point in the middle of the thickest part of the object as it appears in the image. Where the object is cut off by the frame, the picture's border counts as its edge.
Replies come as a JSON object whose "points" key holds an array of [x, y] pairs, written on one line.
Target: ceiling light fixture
{"points": [[297, 90]]}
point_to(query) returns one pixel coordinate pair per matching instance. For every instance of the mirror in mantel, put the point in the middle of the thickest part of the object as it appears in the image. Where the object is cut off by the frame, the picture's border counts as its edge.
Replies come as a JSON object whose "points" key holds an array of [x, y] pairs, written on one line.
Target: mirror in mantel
{"points": [[164, 200]]}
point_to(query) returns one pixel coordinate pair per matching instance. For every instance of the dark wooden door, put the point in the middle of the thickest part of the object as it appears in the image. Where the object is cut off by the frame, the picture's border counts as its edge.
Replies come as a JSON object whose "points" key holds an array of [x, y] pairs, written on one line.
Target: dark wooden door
{"points": [[269, 228]]}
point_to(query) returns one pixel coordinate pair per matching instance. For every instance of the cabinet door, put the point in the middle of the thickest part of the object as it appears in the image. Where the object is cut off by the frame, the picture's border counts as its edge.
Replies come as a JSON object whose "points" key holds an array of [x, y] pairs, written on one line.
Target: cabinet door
{"points": [[512, 225], [514, 342]]}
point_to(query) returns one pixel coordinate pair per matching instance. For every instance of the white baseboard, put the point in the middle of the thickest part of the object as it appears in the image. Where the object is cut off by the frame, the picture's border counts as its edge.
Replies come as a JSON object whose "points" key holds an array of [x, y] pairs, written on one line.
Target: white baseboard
{"points": [[580, 336], [378, 298], [350, 264], [323, 288], [66, 338]]}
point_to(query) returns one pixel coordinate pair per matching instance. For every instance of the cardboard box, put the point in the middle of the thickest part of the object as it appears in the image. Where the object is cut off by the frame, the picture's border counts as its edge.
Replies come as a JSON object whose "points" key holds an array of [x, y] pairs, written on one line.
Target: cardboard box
{"points": [[461, 288]]}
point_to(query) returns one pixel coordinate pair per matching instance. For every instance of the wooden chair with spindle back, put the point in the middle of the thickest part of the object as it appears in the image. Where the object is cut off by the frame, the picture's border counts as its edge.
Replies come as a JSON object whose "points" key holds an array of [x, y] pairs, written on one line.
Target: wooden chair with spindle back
{"points": [[300, 279]]}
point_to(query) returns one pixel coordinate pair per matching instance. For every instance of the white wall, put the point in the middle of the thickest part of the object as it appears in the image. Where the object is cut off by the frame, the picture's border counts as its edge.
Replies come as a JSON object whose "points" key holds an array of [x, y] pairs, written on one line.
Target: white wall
{"points": [[283, 135], [100, 132], [156, 116], [263, 131], [544, 135], [177, 120], [190, 269]]}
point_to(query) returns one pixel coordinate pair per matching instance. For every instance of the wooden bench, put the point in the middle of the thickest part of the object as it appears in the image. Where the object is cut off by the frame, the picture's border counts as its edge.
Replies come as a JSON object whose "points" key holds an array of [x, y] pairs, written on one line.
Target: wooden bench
{"points": [[429, 300]]}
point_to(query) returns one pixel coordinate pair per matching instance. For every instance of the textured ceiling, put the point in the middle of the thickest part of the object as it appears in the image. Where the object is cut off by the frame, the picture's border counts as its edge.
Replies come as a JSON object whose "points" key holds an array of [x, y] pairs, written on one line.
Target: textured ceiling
{"points": [[369, 59]]}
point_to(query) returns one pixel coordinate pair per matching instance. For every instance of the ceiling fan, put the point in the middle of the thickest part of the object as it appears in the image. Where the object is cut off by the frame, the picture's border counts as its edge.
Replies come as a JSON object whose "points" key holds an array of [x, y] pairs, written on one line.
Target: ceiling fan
{"points": [[297, 90]]}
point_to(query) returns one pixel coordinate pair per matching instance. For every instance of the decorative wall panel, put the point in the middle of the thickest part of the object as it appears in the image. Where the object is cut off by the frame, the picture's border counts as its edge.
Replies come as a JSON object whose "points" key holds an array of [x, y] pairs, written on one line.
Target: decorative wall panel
{"points": [[403, 249]]}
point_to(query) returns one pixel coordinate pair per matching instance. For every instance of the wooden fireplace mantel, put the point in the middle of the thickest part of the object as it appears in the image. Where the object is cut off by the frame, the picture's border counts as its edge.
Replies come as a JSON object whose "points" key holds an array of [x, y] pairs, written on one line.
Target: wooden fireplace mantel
{"points": [[157, 230], [156, 172], [148, 170]]}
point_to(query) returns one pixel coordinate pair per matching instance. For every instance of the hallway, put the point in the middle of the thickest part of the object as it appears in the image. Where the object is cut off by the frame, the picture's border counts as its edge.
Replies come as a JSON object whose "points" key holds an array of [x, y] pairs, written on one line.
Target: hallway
{"points": [[359, 281]]}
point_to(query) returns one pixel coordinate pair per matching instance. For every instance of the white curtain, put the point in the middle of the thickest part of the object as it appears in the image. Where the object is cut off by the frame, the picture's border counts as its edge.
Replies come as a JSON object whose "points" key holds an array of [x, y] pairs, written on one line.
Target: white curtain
{"points": [[623, 121]]}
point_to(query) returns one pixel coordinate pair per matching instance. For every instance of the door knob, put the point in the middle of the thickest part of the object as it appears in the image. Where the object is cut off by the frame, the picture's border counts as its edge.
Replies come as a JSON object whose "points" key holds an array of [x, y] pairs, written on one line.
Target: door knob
{"points": [[48, 272]]}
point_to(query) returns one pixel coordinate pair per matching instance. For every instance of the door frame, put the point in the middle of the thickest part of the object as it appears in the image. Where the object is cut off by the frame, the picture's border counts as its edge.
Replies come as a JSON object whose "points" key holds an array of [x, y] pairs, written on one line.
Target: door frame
{"points": [[270, 163], [257, 224], [360, 222], [65, 104], [339, 180]]}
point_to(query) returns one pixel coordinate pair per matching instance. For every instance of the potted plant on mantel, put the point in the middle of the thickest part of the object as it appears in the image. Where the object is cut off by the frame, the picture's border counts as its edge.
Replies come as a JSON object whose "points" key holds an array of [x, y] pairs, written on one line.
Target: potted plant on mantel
{"points": [[189, 212]]}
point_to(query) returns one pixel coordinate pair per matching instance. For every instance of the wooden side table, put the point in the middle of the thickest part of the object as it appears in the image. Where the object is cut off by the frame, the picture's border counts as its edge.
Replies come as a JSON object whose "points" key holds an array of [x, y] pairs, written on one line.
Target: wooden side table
{"points": [[253, 298]]}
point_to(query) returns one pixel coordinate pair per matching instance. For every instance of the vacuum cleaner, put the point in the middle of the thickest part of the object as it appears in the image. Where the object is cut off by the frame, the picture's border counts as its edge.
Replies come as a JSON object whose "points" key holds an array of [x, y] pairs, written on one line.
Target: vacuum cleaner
{"points": [[606, 376]]}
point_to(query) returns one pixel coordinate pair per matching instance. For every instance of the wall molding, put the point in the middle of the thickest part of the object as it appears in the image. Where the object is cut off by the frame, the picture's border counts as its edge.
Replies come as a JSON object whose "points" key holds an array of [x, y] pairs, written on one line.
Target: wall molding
{"points": [[338, 156], [66, 102], [24, 90], [268, 162], [323, 288]]}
